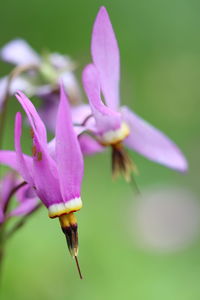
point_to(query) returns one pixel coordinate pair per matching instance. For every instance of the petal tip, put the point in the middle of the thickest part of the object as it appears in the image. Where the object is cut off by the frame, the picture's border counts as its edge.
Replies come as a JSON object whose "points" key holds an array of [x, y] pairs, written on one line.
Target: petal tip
{"points": [[103, 10], [183, 166]]}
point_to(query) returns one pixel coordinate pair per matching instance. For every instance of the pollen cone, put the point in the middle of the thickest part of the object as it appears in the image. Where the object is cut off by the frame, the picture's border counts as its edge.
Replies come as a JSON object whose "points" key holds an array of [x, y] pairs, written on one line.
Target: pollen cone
{"points": [[122, 164], [70, 229]]}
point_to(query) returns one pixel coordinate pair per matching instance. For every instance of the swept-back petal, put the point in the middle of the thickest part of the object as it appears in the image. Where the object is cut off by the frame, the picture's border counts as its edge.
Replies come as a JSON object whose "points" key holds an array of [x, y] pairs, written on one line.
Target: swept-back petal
{"points": [[106, 118], [24, 169], [68, 153], [9, 158], [24, 208], [34, 118], [27, 201], [152, 143], [52, 144], [45, 174], [18, 52], [105, 54]]}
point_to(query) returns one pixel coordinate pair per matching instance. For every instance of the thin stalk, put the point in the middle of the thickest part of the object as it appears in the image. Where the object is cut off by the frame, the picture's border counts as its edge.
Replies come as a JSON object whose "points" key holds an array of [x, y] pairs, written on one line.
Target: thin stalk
{"points": [[2, 250], [134, 186], [11, 194], [20, 223]]}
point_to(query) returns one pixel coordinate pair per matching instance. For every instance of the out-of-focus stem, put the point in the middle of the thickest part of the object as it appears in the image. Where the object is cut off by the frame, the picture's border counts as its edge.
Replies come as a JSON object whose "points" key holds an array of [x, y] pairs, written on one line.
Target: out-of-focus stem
{"points": [[14, 73], [1, 260], [12, 192], [135, 187], [20, 223], [1, 249]]}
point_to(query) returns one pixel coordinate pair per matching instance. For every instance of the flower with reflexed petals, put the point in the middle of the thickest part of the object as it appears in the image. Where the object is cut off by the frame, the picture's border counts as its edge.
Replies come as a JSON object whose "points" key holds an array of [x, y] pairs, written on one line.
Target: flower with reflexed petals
{"points": [[55, 180], [117, 126]]}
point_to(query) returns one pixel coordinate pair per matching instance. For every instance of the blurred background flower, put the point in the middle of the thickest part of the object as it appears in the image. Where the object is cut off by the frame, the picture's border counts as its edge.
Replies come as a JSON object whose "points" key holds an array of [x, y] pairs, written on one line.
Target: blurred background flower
{"points": [[160, 57], [165, 219]]}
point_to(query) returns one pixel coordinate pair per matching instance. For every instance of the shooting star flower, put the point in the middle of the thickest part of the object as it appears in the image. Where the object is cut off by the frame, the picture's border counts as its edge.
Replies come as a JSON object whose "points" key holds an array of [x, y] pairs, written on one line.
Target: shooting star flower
{"points": [[56, 181], [117, 126]]}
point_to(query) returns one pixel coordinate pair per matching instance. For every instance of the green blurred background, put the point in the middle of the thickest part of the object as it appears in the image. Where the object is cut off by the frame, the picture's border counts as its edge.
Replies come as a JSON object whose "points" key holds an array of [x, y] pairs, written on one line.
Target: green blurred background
{"points": [[160, 60]]}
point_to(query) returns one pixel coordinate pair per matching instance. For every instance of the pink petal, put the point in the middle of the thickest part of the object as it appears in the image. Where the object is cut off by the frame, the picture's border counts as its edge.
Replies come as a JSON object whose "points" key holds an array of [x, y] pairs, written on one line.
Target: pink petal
{"points": [[24, 193], [34, 119], [24, 169], [105, 54], [68, 152], [45, 175], [52, 144], [82, 114], [25, 207], [152, 143], [18, 52], [89, 145], [9, 158], [106, 119]]}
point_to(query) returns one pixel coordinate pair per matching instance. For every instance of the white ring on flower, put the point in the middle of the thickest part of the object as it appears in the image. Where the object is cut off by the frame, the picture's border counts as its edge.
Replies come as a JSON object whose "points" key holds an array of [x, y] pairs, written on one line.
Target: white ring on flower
{"points": [[59, 209]]}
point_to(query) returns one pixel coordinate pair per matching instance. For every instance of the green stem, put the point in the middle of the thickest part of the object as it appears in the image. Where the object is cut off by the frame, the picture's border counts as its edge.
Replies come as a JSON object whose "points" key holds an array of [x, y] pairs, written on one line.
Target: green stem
{"points": [[11, 194], [2, 250], [134, 186], [20, 223]]}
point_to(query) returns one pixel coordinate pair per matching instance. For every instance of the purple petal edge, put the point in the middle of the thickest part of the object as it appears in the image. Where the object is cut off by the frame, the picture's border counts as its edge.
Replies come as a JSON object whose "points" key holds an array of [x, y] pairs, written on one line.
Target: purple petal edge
{"points": [[152, 143]]}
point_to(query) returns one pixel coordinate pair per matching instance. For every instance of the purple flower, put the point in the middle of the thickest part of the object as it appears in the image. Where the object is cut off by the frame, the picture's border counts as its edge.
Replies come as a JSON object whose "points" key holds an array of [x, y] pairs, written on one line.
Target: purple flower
{"points": [[26, 201], [43, 80], [119, 126], [55, 180]]}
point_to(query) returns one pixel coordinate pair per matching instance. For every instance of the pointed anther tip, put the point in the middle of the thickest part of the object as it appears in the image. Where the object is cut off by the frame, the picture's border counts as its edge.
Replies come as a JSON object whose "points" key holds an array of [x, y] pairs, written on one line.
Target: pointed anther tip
{"points": [[78, 267]]}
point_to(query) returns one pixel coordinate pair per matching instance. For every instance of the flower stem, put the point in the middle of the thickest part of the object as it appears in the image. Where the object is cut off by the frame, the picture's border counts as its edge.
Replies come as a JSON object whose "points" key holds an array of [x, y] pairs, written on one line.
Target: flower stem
{"points": [[134, 186], [12, 192], [1, 249], [13, 74], [20, 223]]}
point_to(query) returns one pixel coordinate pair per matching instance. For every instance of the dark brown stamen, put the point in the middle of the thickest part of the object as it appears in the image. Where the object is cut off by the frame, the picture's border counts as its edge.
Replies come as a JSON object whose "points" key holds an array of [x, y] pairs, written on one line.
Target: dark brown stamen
{"points": [[70, 229], [122, 164], [71, 234]]}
